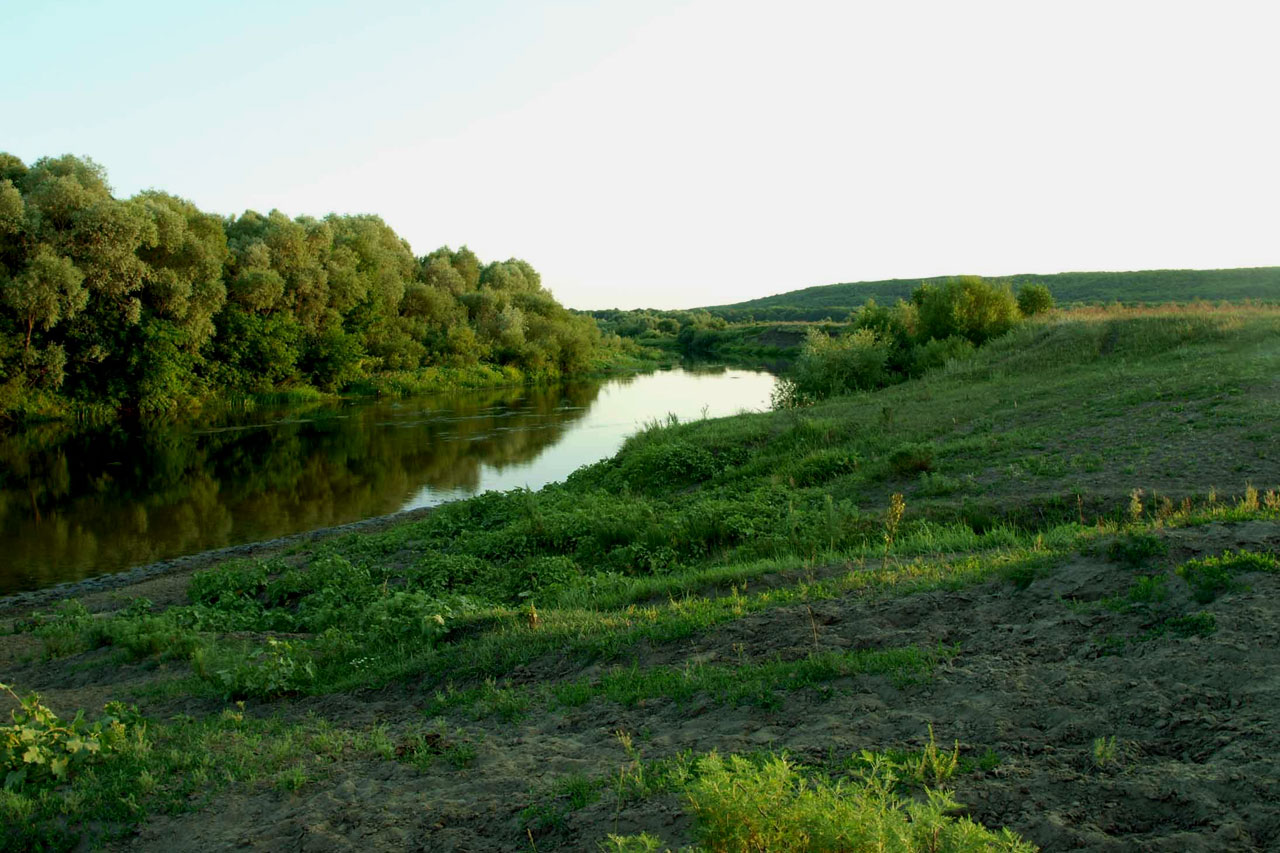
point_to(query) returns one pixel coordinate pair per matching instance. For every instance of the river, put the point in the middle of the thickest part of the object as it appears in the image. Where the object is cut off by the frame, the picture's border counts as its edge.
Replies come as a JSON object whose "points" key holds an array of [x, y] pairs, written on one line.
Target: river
{"points": [[79, 503]]}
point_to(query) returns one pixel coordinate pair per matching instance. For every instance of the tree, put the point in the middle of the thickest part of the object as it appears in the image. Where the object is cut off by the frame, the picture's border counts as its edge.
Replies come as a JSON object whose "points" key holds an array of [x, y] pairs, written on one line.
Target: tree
{"points": [[48, 291], [11, 208]]}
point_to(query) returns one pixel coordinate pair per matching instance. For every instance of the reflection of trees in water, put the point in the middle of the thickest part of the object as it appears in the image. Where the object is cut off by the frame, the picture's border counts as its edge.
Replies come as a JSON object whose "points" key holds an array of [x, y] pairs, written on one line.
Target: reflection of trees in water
{"points": [[77, 503]]}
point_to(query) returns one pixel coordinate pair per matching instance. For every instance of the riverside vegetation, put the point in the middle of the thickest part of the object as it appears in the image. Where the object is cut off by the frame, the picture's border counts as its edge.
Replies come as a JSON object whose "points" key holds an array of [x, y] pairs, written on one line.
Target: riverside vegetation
{"points": [[1021, 595], [150, 307]]}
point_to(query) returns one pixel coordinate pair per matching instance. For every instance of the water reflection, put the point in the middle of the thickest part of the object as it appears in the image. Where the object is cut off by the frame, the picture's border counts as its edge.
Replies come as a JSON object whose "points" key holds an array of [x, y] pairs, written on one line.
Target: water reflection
{"points": [[76, 504]]}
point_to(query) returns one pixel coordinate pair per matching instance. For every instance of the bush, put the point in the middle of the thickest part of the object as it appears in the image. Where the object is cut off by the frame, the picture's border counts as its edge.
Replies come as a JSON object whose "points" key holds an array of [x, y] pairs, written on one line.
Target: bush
{"points": [[936, 353], [231, 584], [966, 306], [828, 367], [1034, 299]]}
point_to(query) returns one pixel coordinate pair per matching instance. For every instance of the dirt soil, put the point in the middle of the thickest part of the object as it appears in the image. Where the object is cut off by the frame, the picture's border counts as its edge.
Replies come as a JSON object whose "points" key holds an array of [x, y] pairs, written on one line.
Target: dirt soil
{"points": [[1041, 673]]}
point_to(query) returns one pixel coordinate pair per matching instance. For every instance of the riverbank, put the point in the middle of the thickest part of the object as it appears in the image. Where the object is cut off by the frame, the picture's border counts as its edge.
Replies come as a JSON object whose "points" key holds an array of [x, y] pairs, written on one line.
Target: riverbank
{"points": [[1041, 582], [32, 408], [176, 572]]}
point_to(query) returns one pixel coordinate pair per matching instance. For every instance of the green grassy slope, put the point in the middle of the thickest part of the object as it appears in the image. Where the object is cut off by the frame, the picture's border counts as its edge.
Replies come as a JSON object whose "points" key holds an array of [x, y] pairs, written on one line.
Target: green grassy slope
{"points": [[1144, 286]]}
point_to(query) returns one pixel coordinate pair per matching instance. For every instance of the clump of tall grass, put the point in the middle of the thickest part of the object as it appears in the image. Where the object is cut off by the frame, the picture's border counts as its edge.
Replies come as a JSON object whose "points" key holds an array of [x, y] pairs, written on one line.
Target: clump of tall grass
{"points": [[746, 805]]}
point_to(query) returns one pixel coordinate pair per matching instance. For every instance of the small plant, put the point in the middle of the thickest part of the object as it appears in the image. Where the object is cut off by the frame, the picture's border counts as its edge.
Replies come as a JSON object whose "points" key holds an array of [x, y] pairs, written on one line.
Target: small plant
{"points": [[893, 519], [922, 768], [642, 843], [1135, 506], [65, 631], [1209, 577], [934, 766], [1136, 549], [910, 459], [272, 670], [743, 805], [1191, 625], [938, 484], [39, 750], [1148, 590], [1106, 753]]}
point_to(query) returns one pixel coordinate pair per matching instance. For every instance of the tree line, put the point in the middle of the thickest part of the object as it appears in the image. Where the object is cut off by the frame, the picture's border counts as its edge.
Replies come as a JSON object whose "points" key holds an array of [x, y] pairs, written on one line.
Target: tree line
{"points": [[149, 305]]}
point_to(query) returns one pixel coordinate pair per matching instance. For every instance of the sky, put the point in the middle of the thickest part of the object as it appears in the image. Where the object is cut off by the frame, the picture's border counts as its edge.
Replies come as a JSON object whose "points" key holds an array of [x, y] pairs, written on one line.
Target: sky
{"points": [[678, 153]]}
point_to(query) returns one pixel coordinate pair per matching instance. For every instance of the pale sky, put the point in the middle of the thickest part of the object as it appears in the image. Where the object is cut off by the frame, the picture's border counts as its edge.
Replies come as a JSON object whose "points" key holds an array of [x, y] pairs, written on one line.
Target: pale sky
{"points": [[675, 153]]}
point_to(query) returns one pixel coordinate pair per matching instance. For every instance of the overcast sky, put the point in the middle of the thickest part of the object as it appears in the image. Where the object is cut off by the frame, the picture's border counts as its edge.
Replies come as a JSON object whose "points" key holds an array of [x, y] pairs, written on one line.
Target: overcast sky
{"points": [[672, 154]]}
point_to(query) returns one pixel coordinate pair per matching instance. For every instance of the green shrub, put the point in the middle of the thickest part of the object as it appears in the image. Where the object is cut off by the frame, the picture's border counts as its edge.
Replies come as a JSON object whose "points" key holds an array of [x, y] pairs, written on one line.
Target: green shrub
{"points": [[66, 630], [937, 352], [1034, 299], [827, 367], [1192, 625], [537, 574], [965, 306], [824, 465], [230, 585], [910, 459]]}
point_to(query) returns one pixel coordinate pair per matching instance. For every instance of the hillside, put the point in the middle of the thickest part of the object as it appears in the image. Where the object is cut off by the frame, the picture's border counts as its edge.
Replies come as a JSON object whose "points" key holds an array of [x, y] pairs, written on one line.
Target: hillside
{"points": [[1071, 288], [1027, 600]]}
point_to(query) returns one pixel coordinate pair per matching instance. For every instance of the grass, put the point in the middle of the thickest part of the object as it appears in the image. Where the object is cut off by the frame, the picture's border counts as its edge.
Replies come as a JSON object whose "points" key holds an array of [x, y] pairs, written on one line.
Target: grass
{"points": [[179, 765], [768, 802], [763, 685], [696, 533]]}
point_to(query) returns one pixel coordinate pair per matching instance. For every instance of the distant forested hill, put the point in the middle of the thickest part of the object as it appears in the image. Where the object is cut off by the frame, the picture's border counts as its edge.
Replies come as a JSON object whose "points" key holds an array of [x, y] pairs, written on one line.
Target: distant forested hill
{"points": [[1147, 286]]}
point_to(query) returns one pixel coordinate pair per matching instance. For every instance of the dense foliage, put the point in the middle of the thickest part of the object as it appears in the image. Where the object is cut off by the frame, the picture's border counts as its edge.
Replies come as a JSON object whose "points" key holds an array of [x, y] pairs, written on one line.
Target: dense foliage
{"points": [[147, 305], [941, 322], [832, 301]]}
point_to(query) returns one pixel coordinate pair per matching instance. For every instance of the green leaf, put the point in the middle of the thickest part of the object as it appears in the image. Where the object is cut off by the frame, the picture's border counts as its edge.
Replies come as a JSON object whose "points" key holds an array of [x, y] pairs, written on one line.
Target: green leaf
{"points": [[14, 779]]}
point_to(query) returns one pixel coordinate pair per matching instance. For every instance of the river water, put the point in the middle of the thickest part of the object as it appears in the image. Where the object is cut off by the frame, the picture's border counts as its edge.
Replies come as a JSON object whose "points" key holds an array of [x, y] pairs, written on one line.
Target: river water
{"points": [[75, 504]]}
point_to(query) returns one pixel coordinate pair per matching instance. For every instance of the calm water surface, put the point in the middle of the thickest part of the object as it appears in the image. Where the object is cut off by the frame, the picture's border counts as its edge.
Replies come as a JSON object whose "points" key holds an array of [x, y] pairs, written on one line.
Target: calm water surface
{"points": [[78, 504]]}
